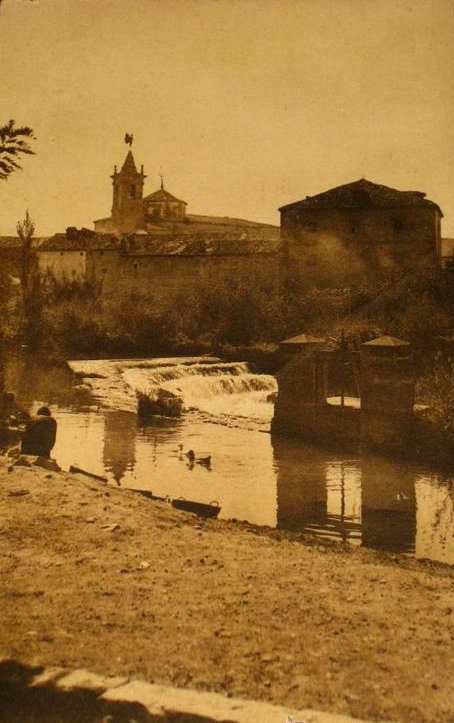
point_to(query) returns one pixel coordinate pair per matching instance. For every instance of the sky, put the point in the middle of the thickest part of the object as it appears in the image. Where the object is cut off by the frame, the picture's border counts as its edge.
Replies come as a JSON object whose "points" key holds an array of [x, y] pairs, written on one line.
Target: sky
{"points": [[243, 105]]}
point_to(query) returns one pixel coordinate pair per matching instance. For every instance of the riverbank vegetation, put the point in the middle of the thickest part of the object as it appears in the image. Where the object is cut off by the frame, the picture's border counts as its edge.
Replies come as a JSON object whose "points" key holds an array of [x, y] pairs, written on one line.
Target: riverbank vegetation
{"points": [[70, 318], [79, 319]]}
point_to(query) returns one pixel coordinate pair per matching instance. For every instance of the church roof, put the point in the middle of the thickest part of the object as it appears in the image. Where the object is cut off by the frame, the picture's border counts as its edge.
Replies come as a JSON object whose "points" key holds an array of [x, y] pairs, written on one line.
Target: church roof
{"points": [[129, 166], [162, 195], [232, 233], [221, 221], [362, 194]]}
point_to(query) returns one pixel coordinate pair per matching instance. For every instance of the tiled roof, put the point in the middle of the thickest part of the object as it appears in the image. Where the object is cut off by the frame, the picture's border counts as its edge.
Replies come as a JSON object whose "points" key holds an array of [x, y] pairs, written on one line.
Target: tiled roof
{"points": [[207, 235], [175, 239], [214, 226], [139, 245], [14, 242], [162, 195], [227, 221], [363, 194], [80, 241]]}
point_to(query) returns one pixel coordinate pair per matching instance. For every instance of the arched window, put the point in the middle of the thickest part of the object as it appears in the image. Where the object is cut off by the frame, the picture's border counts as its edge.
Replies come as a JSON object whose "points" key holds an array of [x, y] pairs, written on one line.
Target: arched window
{"points": [[132, 190]]}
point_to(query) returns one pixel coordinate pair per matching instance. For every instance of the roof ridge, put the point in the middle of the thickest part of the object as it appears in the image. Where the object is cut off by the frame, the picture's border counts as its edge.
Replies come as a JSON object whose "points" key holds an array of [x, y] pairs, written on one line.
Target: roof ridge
{"points": [[363, 193]]}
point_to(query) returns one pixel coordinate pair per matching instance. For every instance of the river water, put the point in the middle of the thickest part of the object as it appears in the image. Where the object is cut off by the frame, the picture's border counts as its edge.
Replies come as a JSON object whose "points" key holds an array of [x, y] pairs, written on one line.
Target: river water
{"points": [[254, 476]]}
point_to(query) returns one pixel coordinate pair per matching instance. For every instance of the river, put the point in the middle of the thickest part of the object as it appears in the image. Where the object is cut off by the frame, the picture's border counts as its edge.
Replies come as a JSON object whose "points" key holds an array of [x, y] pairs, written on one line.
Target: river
{"points": [[267, 480]]}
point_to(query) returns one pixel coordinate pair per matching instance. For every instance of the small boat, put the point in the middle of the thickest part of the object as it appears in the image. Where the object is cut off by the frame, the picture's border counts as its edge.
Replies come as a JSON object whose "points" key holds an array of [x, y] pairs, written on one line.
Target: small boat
{"points": [[202, 509], [78, 470]]}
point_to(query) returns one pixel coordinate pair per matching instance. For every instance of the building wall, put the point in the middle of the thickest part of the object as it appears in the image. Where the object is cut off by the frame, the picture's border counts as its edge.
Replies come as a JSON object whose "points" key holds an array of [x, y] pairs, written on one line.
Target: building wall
{"points": [[104, 225], [166, 210], [173, 274], [360, 241], [103, 265], [63, 264]]}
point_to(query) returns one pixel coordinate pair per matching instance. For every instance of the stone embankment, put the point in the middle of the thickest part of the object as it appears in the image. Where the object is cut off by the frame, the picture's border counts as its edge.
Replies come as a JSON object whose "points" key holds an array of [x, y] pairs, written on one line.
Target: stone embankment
{"points": [[102, 579]]}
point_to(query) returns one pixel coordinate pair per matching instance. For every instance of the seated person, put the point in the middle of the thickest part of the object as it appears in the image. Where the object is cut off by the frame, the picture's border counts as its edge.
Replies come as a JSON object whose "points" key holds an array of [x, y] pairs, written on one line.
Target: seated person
{"points": [[40, 434], [11, 414]]}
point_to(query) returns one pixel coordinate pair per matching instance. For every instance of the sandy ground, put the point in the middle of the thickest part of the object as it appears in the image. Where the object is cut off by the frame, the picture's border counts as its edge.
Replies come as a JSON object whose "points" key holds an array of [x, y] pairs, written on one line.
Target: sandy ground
{"points": [[164, 596]]}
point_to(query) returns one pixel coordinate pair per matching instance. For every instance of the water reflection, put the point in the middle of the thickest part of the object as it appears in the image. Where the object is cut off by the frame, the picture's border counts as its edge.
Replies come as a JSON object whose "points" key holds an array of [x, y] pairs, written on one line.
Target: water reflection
{"points": [[316, 493], [389, 504], [367, 500], [119, 447], [375, 502]]}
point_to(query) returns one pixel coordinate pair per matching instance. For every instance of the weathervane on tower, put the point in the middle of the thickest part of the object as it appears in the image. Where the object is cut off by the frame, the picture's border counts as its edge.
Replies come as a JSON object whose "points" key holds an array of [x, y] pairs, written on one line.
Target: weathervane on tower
{"points": [[129, 139]]}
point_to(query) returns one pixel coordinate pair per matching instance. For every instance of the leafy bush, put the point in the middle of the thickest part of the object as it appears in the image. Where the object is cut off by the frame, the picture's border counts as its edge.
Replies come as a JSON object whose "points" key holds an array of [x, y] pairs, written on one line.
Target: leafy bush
{"points": [[436, 388]]}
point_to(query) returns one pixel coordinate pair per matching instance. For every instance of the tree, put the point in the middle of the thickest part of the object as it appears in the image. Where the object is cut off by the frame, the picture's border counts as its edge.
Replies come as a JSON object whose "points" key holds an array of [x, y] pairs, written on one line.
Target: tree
{"points": [[13, 144], [31, 283]]}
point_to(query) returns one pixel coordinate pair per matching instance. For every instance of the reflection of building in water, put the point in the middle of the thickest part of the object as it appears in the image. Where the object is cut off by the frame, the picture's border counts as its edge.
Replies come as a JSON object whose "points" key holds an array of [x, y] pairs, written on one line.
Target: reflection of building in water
{"points": [[367, 499], [343, 505], [314, 493], [119, 452], [389, 509]]}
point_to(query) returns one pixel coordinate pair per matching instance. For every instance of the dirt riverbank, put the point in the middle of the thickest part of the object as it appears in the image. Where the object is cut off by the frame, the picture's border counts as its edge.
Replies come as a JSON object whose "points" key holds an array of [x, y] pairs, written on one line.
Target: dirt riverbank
{"points": [[97, 577]]}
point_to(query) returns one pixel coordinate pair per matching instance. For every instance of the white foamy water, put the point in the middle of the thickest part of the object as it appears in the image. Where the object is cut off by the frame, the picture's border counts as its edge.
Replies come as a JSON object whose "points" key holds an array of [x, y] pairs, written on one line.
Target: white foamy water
{"points": [[223, 389]]}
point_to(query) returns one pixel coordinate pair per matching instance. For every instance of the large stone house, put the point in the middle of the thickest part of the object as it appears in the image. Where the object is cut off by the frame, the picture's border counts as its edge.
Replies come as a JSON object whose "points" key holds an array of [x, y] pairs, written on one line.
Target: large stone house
{"points": [[360, 228], [78, 255]]}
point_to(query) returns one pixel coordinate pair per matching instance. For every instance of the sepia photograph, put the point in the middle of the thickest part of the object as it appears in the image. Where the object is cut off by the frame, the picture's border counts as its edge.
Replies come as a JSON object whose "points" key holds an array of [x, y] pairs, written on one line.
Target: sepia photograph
{"points": [[227, 361]]}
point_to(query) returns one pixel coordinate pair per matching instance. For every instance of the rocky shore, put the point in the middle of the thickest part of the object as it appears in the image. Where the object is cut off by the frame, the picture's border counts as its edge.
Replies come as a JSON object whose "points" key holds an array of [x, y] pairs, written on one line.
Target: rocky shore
{"points": [[98, 577]]}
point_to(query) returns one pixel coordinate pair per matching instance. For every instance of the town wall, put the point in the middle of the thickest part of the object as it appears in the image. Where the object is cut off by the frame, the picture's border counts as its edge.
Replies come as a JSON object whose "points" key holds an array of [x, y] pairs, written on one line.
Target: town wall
{"points": [[174, 274]]}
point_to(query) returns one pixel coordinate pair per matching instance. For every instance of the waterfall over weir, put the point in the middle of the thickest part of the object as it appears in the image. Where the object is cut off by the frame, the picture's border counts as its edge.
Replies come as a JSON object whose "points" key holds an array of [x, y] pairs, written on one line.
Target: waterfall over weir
{"points": [[222, 389]]}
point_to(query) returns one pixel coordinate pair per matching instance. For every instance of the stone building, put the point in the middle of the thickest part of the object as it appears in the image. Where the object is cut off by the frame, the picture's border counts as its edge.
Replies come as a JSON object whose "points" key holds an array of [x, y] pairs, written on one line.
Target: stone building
{"points": [[354, 231], [312, 403], [167, 262], [127, 206], [360, 228], [151, 242], [78, 255]]}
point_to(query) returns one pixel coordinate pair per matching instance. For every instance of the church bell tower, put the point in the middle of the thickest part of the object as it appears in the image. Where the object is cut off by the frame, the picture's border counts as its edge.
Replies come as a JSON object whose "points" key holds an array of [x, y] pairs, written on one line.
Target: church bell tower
{"points": [[127, 208]]}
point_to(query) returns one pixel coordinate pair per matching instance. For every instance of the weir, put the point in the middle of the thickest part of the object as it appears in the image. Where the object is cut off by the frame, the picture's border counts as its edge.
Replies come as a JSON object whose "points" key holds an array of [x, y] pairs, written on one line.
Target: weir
{"points": [[205, 383]]}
